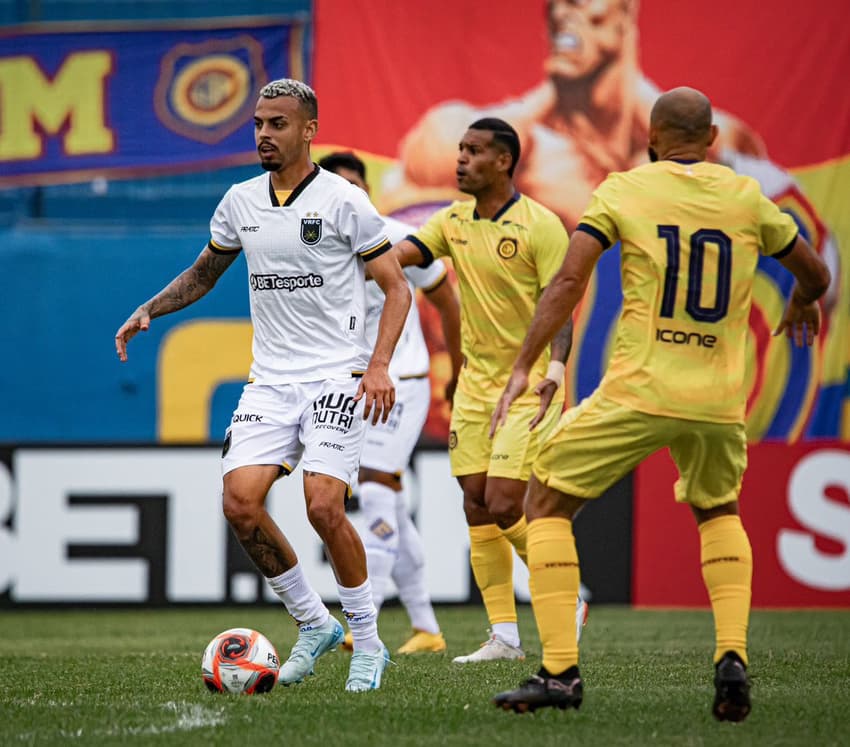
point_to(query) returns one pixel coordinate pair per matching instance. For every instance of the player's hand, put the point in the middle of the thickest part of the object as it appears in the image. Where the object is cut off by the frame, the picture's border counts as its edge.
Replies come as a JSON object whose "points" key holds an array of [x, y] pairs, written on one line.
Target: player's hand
{"points": [[546, 390], [800, 322], [377, 386], [517, 384], [451, 386], [140, 321]]}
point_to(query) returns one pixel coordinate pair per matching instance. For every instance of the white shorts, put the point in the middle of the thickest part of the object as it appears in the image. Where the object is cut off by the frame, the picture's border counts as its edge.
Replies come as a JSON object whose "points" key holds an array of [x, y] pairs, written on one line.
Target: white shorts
{"points": [[278, 424], [388, 446]]}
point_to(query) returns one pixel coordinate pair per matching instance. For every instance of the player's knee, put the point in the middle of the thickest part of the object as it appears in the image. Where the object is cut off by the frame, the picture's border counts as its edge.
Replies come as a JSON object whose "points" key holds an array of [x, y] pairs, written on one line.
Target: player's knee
{"points": [[474, 504], [241, 513], [325, 512], [703, 515], [504, 507]]}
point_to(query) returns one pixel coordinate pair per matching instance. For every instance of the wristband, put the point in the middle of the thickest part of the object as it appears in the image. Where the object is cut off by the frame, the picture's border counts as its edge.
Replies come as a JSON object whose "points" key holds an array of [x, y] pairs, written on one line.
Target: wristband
{"points": [[555, 372]]}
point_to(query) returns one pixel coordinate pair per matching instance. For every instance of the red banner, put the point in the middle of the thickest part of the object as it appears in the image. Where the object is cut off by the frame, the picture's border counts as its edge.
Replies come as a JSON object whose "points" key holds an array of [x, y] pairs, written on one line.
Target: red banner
{"points": [[795, 506], [781, 66], [401, 81]]}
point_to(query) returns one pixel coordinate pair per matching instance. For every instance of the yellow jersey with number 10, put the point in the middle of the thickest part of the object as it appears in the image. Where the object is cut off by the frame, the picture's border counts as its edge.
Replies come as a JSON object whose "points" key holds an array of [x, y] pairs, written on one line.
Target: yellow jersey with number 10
{"points": [[691, 234], [502, 266]]}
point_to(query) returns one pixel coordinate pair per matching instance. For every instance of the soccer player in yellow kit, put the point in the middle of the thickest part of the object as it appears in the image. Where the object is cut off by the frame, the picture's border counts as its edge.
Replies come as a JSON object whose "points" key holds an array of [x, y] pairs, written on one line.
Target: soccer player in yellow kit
{"points": [[691, 232], [505, 248]]}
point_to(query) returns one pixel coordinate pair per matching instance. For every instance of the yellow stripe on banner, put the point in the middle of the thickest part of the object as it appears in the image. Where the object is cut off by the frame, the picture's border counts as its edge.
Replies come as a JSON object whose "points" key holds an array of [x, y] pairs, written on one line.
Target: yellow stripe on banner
{"points": [[827, 186], [195, 358], [776, 364]]}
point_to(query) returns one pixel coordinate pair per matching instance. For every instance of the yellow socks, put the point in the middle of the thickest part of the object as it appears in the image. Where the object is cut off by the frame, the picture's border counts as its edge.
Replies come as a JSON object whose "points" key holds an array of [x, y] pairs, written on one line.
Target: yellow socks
{"points": [[553, 565], [493, 567], [727, 569], [517, 535]]}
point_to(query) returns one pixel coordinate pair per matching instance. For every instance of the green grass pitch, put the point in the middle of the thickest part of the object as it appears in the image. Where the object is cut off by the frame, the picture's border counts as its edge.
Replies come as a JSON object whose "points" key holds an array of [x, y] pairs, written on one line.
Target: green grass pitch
{"points": [[132, 677]]}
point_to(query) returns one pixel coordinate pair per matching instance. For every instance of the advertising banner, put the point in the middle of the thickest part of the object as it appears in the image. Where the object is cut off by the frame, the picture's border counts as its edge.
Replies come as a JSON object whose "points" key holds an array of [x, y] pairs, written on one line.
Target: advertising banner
{"points": [[795, 506], [577, 81], [99, 525], [110, 99], [385, 92]]}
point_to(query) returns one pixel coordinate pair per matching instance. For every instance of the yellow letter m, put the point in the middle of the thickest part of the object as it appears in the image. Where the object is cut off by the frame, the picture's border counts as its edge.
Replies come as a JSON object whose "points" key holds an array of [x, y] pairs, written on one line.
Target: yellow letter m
{"points": [[72, 103]]}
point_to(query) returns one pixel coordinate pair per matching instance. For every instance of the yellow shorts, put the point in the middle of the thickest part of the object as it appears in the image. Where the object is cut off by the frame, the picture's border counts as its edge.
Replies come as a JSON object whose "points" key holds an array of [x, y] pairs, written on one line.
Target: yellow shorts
{"points": [[512, 450], [599, 442]]}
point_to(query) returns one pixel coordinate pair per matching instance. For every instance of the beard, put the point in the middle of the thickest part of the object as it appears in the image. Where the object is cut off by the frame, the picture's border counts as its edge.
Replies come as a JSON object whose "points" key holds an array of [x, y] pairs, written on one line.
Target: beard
{"points": [[270, 165]]}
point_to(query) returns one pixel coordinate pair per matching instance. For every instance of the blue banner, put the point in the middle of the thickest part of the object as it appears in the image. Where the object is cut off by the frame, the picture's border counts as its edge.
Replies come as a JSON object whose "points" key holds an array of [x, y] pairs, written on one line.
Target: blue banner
{"points": [[125, 100]]}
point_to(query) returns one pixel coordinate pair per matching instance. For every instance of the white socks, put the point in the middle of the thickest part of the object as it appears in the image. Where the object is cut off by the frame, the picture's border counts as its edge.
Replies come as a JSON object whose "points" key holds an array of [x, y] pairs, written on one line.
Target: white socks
{"points": [[508, 632], [301, 601], [380, 536], [394, 550], [409, 573], [361, 615]]}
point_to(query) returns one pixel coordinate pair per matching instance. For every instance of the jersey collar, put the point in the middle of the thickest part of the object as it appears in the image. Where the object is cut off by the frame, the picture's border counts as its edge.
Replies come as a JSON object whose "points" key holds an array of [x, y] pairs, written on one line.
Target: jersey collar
{"points": [[302, 185], [501, 211]]}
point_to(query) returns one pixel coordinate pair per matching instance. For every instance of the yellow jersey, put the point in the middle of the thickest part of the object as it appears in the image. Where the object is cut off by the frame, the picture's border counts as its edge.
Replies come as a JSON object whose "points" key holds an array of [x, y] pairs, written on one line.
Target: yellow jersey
{"points": [[690, 235], [502, 266]]}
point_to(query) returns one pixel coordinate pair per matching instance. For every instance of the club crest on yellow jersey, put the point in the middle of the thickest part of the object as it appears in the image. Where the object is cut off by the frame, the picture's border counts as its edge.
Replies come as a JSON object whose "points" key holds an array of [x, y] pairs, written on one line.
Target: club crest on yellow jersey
{"points": [[507, 248]]}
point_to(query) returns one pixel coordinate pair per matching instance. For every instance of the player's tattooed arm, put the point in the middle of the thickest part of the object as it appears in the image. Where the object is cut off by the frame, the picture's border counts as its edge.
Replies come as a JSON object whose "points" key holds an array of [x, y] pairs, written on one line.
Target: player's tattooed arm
{"points": [[190, 285]]}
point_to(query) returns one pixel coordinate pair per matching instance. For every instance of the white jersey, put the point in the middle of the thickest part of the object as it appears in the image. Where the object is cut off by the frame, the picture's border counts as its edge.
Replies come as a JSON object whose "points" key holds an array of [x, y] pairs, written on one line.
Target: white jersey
{"points": [[410, 359], [306, 275]]}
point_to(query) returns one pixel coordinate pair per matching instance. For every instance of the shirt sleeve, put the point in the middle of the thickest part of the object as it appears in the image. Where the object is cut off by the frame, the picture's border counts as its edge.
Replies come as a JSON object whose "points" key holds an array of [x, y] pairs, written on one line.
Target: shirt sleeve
{"points": [[549, 246], [430, 237], [223, 236], [361, 224], [600, 218], [777, 230]]}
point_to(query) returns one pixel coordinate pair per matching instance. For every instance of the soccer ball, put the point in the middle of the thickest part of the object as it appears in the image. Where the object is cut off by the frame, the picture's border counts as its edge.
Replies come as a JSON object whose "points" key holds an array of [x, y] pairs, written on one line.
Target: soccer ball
{"points": [[240, 660]]}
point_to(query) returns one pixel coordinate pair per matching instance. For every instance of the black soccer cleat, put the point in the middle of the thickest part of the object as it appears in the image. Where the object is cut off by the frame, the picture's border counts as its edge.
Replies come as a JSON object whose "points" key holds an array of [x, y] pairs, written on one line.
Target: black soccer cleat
{"points": [[732, 689], [543, 691]]}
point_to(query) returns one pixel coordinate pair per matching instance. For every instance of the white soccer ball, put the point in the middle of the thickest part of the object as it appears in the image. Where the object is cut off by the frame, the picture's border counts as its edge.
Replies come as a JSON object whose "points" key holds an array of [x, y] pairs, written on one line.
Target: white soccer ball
{"points": [[240, 660]]}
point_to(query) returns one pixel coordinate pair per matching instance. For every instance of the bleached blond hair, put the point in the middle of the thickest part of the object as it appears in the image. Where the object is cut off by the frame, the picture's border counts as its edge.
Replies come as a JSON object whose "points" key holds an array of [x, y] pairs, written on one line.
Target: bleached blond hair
{"points": [[297, 89]]}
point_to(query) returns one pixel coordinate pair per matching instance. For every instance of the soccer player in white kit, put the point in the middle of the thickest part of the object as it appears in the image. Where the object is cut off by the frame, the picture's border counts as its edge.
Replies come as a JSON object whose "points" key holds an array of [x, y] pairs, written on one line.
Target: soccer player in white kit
{"points": [[306, 234], [394, 549]]}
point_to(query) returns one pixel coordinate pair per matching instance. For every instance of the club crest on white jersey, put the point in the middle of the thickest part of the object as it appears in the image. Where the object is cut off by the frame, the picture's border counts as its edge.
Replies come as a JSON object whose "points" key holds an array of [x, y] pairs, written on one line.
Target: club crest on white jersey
{"points": [[305, 260]]}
